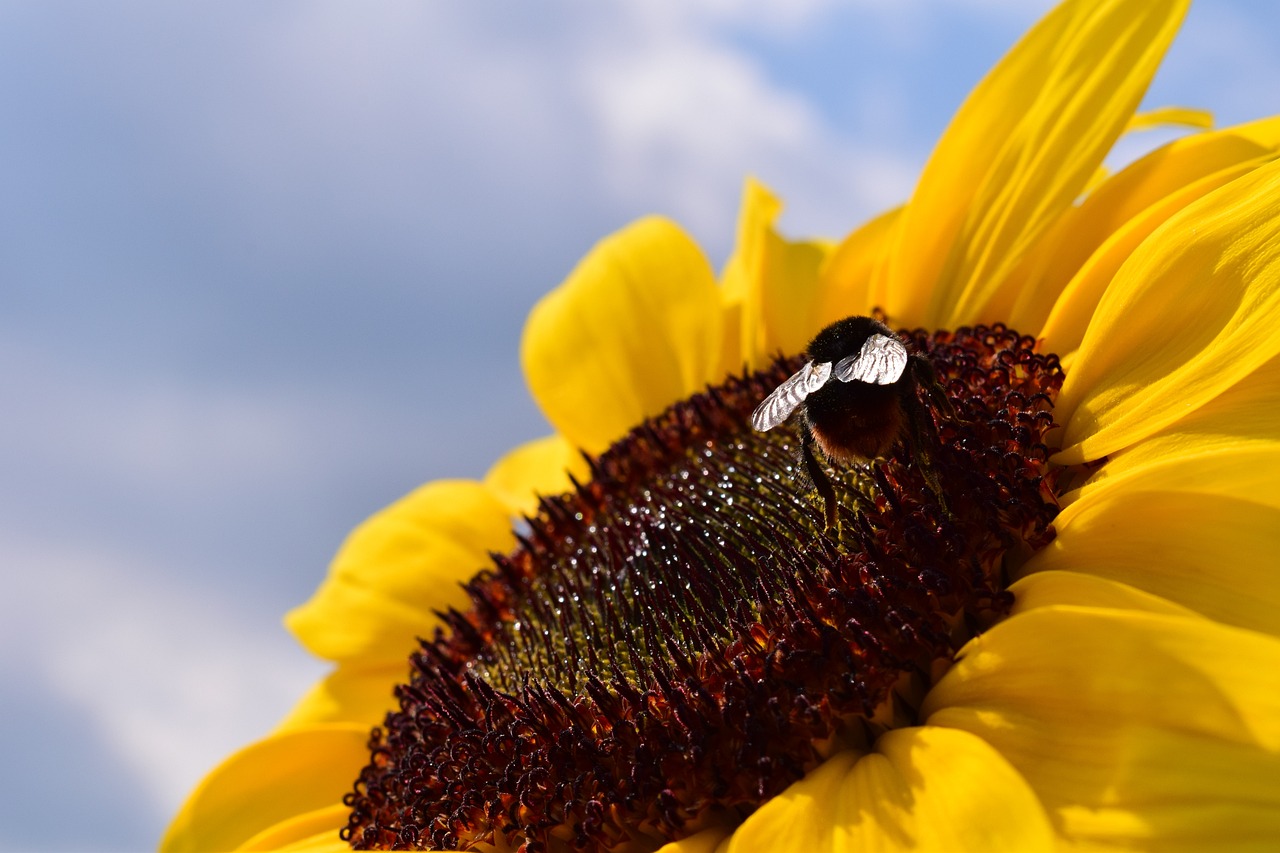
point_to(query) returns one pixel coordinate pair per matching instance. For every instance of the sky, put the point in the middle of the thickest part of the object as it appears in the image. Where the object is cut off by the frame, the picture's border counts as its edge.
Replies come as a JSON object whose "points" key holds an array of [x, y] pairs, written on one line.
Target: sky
{"points": [[264, 267]]}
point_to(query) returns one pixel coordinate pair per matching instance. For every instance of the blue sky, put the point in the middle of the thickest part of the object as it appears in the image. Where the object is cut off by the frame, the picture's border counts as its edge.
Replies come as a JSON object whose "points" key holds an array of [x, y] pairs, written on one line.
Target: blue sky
{"points": [[254, 256]]}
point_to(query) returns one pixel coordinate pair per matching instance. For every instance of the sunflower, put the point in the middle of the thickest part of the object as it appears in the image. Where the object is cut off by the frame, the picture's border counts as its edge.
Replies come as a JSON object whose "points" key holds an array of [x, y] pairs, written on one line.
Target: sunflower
{"points": [[1085, 649]]}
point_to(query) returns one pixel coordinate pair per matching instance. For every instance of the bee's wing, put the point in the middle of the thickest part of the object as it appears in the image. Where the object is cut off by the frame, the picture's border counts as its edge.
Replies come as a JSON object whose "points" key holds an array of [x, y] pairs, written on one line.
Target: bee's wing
{"points": [[880, 362], [779, 405]]}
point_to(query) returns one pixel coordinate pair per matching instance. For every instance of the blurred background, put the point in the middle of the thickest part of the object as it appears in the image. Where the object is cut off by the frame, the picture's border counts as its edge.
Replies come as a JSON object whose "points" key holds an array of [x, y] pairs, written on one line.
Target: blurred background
{"points": [[254, 256]]}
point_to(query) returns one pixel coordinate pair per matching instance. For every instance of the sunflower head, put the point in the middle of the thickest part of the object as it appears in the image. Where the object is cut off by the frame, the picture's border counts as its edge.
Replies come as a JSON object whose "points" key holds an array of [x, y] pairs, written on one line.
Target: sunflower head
{"points": [[681, 637]]}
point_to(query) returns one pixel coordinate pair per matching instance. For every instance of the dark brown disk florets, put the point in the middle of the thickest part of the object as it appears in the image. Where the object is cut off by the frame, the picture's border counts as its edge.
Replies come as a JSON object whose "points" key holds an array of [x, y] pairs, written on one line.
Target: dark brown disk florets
{"points": [[678, 640]]}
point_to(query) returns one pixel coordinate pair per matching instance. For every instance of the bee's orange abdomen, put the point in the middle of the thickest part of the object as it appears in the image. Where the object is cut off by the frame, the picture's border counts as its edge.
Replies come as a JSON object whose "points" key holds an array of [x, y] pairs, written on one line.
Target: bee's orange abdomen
{"points": [[855, 422], [860, 438]]}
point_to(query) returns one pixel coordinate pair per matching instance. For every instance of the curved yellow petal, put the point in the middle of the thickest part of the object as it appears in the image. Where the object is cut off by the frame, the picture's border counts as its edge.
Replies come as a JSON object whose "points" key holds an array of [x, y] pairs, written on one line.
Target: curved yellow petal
{"points": [[397, 568], [1170, 116], [1185, 673], [277, 779], [1051, 588], [1134, 201], [790, 290], [1214, 555], [740, 279], [636, 326], [312, 832], [1223, 436], [848, 275], [1018, 154], [915, 792], [1192, 312], [1070, 314], [1191, 512], [773, 282], [353, 693], [539, 467], [1133, 728], [1161, 117]]}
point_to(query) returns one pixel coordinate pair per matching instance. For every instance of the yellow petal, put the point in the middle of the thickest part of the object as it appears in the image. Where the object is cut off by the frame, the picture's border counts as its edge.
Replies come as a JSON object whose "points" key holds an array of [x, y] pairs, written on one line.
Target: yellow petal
{"points": [[539, 467], [353, 693], [313, 832], [1070, 314], [1210, 553], [774, 280], [1134, 201], [848, 275], [1067, 662], [1052, 588], [1222, 437], [1170, 116], [1133, 728], [790, 290], [915, 792], [1191, 512], [760, 208], [1191, 313], [1100, 176], [1018, 154], [399, 567], [635, 327], [1161, 117], [278, 779]]}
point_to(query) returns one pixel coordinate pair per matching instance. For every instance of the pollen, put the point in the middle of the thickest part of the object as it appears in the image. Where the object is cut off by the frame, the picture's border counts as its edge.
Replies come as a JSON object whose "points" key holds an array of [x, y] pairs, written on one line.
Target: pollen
{"points": [[682, 636]]}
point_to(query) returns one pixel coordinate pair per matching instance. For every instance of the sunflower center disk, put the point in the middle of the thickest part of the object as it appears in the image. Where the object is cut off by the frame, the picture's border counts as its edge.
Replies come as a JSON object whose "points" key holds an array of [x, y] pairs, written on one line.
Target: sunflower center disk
{"points": [[680, 640]]}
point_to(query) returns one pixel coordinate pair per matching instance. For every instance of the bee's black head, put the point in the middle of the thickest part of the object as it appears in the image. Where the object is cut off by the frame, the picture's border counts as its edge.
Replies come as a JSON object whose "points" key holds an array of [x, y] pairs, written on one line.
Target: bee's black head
{"points": [[845, 337]]}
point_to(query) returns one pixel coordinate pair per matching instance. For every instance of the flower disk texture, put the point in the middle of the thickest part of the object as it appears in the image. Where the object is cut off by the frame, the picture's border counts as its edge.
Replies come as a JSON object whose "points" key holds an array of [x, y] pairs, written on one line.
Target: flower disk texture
{"points": [[688, 596]]}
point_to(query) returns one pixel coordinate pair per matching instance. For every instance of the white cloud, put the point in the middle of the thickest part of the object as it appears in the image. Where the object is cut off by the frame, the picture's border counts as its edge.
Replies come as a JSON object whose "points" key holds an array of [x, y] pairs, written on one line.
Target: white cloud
{"points": [[378, 123], [1024, 7], [682, 115], [171, 677], [755, 14], [679, 123], [152, 434], [653, 104]]}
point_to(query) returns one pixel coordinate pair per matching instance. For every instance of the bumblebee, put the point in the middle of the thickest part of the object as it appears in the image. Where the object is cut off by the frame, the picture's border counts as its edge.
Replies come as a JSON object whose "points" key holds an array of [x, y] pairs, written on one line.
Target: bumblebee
{"points": [[857, 396]]}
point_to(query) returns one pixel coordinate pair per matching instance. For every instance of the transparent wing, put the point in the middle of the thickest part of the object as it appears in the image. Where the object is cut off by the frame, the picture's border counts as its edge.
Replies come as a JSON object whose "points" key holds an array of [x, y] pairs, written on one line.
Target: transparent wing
{"points": [[880, 362], [779, 405]]}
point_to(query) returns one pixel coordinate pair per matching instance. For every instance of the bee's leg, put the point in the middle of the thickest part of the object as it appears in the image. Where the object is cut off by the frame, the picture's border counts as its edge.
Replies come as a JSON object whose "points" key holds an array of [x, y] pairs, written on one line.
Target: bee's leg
{"points": [[921, 439], [927, 379], [922, 433], [820, 481]]}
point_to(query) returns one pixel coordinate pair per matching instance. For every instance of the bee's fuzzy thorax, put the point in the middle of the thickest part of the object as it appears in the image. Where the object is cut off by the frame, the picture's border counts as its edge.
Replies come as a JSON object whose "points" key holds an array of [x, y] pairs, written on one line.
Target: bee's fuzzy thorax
{"points": [[844, 337]]}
